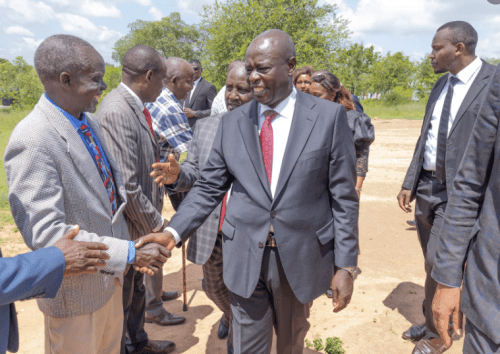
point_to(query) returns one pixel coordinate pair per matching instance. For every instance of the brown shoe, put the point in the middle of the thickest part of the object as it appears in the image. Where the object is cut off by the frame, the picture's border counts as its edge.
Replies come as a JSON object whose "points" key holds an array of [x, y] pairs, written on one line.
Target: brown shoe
{"points": [[429, 346], [165, 319], [415, 333]]}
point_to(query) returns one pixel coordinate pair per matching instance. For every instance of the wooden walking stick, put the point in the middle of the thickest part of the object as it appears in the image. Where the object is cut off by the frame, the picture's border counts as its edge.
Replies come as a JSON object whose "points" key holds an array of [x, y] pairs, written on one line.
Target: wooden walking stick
{"points": [[184, 279]]}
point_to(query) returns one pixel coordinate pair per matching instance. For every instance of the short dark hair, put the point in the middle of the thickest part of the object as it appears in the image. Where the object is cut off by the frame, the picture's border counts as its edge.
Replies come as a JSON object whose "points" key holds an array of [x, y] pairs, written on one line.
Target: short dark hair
{"points": [[61, 53], [195, 61], [140, 59], [462, 32]]}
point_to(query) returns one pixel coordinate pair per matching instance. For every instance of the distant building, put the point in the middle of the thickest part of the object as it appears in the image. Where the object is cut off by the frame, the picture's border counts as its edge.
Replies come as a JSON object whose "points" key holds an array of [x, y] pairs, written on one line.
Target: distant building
{"points": [[7, 101]]}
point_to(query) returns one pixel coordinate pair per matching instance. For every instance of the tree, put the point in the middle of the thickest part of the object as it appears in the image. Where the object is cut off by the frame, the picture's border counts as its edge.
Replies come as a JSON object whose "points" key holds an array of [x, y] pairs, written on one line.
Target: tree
{"points": [[425, 77], [493, 61], [392, 71], [19, 80], [170, 35], [353, 64], [232, 25], [112, 77]]}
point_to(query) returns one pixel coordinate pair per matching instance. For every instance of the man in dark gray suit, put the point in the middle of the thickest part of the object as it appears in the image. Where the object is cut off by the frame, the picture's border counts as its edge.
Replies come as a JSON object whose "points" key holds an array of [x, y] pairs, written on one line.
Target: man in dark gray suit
{"points": [[471, 235], [450, 115], [205, 246], [127, 130], [199, 101], [292, 217]]}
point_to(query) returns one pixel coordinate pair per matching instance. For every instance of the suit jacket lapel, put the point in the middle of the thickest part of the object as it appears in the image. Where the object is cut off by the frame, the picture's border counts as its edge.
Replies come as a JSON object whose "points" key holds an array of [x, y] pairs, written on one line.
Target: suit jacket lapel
{"points": [[432, 99], [477, 86], [77, 151], [139, 113], [249, 127], [195, 93], [303, 122]]}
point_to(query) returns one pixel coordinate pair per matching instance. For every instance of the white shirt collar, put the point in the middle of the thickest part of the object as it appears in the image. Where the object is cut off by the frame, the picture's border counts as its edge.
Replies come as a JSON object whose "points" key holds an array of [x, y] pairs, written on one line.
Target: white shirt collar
{"points": [[285, 108], [196, 82], [466, 74], [137, 99]]}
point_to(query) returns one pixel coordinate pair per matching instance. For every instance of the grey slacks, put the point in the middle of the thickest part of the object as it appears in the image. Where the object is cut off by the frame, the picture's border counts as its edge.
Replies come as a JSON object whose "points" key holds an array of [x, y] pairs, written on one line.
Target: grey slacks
{"points": [[476, 342], [272, 304], [429, 213], [154, 291]]}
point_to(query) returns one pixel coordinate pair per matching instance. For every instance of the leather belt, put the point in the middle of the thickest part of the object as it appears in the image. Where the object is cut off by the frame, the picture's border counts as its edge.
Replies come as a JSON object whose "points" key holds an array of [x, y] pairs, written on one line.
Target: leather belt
{"points": [[429, 173], [271, 241]]}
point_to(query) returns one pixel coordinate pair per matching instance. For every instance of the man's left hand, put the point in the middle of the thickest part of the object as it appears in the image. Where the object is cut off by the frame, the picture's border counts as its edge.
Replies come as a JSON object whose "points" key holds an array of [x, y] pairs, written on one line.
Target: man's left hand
{"points": [[446, 303], [189, 112], [342, 287]]}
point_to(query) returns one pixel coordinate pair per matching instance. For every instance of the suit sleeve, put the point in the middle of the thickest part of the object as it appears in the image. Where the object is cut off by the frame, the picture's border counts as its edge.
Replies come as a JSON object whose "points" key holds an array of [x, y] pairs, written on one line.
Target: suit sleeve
{"points": [[34, 274], [212, 92], [37, 201], [120, 135], [468, 193], [190, 171], [206, 194], [345, 201]]}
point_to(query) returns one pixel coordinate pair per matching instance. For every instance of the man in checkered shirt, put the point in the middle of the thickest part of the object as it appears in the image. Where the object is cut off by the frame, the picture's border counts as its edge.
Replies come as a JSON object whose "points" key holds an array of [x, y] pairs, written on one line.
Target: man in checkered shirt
{"points": [[173, 134]]}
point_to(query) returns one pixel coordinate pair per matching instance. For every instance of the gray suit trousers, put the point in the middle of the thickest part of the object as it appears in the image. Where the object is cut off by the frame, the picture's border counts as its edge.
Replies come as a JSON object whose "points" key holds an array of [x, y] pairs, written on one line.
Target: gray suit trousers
{"points": [[272, 304], [476, 342], [430, 208]]}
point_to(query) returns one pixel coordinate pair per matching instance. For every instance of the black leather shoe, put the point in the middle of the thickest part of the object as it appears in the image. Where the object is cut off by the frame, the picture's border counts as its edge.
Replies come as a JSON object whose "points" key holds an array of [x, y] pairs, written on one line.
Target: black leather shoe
{"points": [[411, 223], [415, 333], [170, 295], [429, 346], [223, 328], [165, 319], [157, 347]]}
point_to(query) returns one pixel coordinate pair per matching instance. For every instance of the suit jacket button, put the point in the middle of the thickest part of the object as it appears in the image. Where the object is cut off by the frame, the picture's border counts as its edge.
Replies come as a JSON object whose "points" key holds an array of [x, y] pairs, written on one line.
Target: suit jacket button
{"points": [[216, 216], [261, 245], [273, 214]]}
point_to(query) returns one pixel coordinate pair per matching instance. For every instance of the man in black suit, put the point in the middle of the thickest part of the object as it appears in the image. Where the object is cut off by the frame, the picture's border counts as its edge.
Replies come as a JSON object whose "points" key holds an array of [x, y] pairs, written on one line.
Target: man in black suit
{"points": [[199, 101], [291, 227], [450, 115]]}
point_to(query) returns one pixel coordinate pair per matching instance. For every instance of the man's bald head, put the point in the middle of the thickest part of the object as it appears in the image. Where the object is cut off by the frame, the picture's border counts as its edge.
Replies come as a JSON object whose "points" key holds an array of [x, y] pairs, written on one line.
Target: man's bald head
{"points": [[140, 59], [233, 64], [62, 53], [180, 75], [279, 43]]}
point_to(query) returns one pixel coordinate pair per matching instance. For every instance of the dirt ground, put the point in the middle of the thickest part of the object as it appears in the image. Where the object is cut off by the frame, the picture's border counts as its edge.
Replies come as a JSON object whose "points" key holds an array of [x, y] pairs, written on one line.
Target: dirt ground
{"points": [[387, 294]]}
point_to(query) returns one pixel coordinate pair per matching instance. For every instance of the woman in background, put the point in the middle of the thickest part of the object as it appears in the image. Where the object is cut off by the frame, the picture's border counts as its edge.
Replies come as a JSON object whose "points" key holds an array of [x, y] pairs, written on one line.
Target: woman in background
{"points": [[302, 78], [327, 86]]}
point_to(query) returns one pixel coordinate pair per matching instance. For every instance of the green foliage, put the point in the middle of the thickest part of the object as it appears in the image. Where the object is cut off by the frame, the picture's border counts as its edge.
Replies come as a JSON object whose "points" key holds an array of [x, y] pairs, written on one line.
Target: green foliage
{"points": [[381, 110], [18, 80], [398, 96], [318, 344], [308, 343], [424, 77], [334, 346], [230, 26], [493, 61], [352, 65], [112, 77], [391, 71], [170, 35]]}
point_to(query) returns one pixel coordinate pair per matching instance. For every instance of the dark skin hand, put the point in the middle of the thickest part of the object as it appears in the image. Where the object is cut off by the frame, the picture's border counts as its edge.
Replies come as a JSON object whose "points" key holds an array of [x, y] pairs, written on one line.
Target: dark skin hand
{"points": [[404, 200], [189, 112], [150, 257], [81, 257], [166, 172], [446, 303], [342, 288]]}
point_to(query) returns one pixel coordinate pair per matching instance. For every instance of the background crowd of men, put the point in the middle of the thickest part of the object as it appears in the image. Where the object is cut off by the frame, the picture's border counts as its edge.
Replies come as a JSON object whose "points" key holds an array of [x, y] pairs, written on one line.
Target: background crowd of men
{"points": [[267, 196]]}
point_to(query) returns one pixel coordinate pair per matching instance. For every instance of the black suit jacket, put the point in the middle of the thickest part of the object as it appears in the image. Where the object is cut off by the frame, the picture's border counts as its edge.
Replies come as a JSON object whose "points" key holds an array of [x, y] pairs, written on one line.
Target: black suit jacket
{"points": [[201, 101], [460, 131], [314, 212]]}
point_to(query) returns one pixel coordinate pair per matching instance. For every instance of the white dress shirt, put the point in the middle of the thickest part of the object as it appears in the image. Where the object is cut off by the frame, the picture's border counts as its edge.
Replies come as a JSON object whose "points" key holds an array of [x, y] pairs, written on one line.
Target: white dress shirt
{"points": [[281, 129], [191, 92], [466, 77]]}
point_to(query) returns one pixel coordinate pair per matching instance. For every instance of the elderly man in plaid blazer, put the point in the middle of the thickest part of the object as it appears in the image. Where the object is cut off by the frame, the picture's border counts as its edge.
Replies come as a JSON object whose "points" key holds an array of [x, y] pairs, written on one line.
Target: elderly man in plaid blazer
{"points": [[470, 237]]}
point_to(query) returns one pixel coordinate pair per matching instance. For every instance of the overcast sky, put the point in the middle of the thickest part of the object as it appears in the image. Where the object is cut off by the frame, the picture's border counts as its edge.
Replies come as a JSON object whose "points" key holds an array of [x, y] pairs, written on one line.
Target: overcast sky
{"points": [[390, 25]]}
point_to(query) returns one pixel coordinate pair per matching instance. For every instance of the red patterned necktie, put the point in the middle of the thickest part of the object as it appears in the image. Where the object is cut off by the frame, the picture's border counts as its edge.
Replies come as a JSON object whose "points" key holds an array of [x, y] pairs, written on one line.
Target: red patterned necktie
{"points": [[150, 124], [223, 211], [266, 142]]}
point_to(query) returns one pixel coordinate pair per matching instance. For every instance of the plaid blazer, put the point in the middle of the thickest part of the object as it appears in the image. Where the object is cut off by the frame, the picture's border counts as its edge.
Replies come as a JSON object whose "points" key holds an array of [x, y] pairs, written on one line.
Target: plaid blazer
{"points": [[201, 244], [471, 229], [135, 149], [53, 185]]}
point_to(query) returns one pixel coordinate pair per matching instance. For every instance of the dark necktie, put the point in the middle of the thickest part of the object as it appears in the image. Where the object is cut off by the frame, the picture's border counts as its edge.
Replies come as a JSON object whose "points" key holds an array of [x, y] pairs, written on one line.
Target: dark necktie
{"points": [[266, 142], [150, 124], [443, 132]]}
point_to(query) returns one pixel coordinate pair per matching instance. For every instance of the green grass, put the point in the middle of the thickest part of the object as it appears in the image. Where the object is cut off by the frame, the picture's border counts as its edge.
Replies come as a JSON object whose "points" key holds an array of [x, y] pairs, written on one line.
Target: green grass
{"points": [[381, 110], [8, 120]]}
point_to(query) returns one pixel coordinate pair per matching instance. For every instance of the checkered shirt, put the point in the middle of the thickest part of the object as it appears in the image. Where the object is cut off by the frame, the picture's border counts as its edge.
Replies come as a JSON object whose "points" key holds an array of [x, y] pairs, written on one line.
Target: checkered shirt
{"points": [[219, 103], [170, 125]]}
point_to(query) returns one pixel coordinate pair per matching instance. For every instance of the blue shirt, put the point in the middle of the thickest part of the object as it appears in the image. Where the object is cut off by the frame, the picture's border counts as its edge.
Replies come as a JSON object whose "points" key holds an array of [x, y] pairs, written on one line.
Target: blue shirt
{"points": [[77, 123]]}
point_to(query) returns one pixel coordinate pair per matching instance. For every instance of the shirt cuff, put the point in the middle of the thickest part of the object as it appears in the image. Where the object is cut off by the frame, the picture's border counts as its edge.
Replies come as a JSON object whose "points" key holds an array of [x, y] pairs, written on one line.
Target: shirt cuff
{"points": [[158, 227], [177, 238], [131, 252]]}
